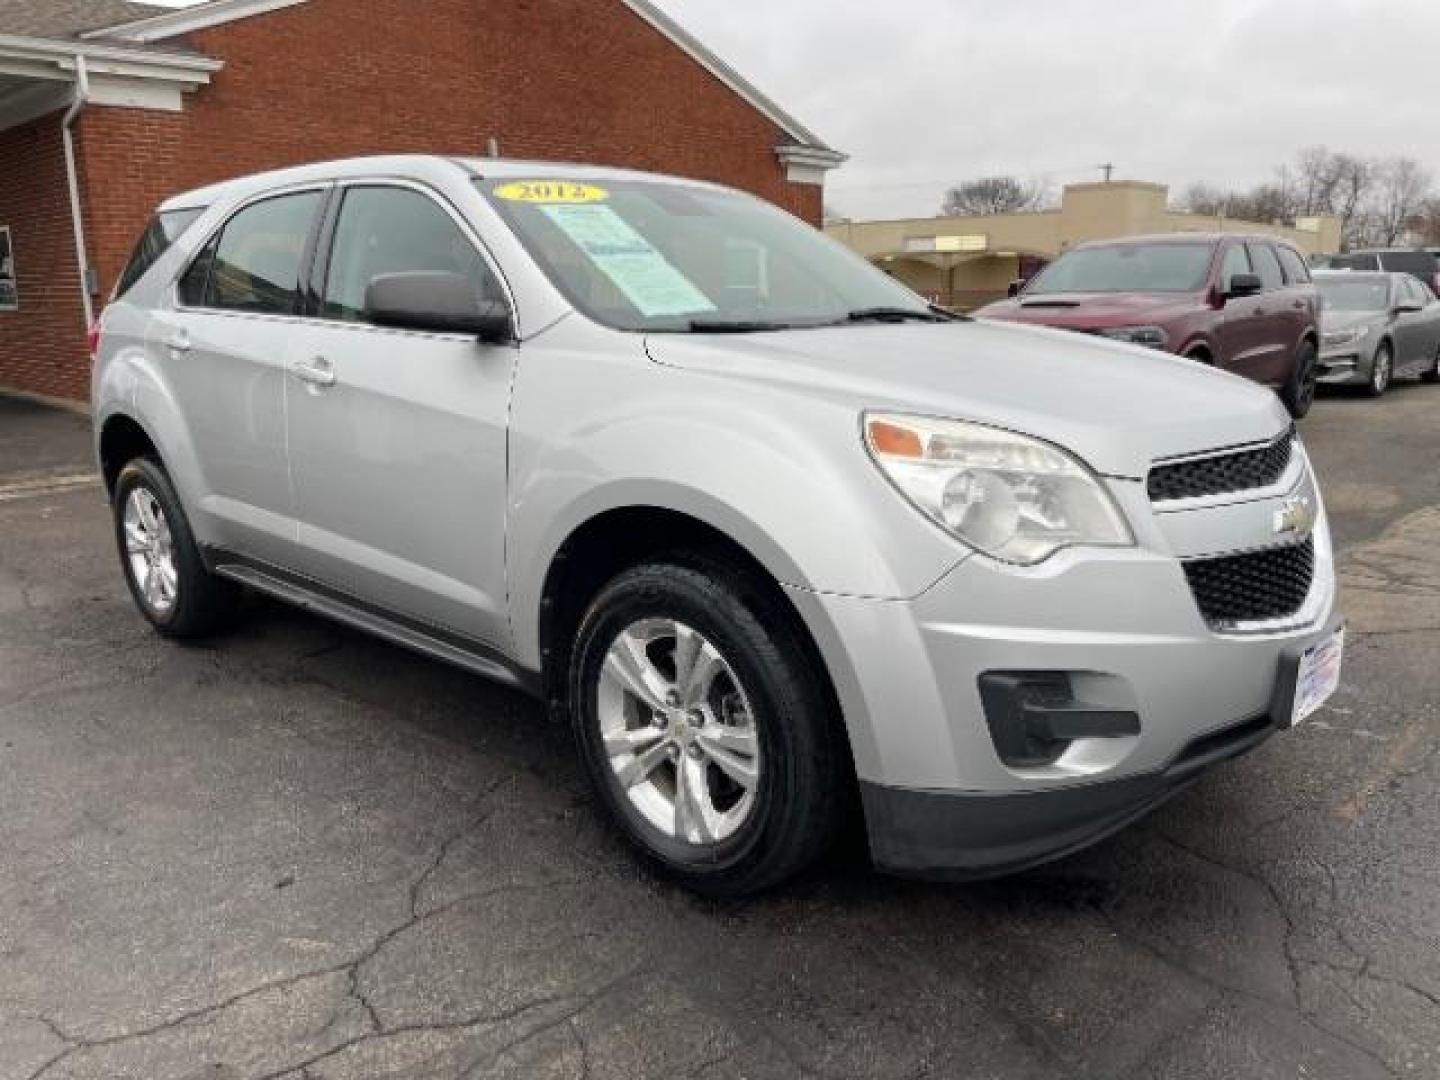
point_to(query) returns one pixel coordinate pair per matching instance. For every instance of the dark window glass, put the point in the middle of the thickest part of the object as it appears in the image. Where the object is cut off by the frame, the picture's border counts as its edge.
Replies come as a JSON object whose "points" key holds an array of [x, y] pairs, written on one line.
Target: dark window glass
{"points": [[388, 230], [1236, 262], [164, 229], [197, 277], [257, 262], [1266, 265], [1169, 267], [1420, 263], [1354, 262], [1296, 272]]}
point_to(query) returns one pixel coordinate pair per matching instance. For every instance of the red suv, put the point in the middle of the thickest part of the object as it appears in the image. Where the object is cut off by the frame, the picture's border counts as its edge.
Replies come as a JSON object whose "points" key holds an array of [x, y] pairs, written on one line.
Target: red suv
{"points": [[1242, 303]]}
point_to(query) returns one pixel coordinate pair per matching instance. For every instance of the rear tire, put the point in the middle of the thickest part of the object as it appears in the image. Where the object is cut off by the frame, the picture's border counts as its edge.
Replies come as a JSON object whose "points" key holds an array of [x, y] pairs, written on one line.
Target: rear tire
{"points": [[161, 561], [1298, 393], [1382, 370], [729, 785]]}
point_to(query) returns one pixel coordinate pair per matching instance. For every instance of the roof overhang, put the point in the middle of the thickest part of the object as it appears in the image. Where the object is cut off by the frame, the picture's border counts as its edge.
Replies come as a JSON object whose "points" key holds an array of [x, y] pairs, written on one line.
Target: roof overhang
{"points": [[808, 164], [37, 76], [187, 20]]}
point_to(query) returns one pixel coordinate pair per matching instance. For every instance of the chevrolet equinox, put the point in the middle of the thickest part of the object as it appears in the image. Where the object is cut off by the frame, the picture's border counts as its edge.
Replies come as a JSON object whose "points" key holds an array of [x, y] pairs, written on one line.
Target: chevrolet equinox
{"points": [[775, 536]]}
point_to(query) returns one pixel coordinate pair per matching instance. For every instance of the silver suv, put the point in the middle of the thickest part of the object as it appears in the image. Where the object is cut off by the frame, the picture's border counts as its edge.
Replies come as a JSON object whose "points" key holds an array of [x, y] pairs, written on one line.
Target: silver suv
{"points": [[776, 537]]}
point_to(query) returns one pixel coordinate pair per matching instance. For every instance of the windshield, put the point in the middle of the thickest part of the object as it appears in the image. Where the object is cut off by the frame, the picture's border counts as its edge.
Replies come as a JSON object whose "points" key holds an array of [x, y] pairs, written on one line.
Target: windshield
{"points": [[1361, 294], [1126, 268], [662, 256]]}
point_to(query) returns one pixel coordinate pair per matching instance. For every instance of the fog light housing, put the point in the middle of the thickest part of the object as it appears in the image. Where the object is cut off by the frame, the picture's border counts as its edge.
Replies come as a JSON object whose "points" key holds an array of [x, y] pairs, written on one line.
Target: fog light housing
{"points": [[1034, 717]]}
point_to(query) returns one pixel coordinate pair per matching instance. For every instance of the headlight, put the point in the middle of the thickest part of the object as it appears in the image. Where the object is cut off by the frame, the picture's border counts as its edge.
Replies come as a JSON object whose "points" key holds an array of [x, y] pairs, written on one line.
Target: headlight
{"points": [[1344, 337], [1010, 496], [1153, 336]]}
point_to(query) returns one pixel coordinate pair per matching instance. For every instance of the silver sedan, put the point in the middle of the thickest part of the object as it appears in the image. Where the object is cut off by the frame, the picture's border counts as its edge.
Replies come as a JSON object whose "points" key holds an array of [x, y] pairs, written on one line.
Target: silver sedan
{"points": [[1376, 327]]}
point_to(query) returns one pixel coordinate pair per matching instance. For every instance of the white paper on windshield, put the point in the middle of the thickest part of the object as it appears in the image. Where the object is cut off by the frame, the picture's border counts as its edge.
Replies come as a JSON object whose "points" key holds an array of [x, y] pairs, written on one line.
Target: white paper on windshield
{"points": [[646, 277]]}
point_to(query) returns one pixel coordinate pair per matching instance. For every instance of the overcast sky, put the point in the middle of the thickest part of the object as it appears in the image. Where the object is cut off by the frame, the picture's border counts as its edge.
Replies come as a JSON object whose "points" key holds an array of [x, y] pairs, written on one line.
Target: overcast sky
{"points": [[924, 92]]}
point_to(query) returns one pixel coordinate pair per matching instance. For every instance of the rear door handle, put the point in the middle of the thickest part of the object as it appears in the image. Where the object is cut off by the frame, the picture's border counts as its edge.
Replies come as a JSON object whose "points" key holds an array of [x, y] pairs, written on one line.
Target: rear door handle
{"points": [[179, 343], [316, 372]]}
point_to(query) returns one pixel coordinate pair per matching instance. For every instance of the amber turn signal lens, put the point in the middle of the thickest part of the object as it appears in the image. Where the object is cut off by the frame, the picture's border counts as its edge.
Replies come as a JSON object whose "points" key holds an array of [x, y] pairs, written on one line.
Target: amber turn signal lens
{"points": [[893, 440]]}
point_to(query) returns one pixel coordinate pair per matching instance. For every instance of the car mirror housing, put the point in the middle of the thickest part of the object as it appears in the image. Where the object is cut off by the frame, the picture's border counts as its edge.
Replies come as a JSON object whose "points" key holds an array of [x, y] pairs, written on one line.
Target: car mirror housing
{"points": [[1244, 285], [1015, 287], [438, 302]]}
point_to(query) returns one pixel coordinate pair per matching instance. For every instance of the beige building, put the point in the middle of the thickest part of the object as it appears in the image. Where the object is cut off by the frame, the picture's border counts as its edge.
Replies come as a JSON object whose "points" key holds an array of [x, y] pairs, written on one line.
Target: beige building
{"points": [[964, 262]]}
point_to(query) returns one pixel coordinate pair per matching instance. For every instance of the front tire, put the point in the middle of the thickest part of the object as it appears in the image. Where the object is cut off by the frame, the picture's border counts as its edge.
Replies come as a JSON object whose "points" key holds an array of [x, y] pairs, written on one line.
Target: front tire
{"points": [[1382, 369], [162, 564], [1433, 375], [1298, 394], [705, 727]]}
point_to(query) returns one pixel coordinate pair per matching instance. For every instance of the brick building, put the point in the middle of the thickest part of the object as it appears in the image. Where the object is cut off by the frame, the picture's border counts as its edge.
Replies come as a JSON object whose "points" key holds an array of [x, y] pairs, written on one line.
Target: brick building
{"points": [[108, 106]]}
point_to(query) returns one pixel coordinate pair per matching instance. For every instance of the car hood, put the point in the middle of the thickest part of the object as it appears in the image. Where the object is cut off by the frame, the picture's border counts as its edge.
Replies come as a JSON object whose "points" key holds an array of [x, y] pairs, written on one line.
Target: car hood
{"points": [[1091, 310], [1118, 407], [1346, 320]]}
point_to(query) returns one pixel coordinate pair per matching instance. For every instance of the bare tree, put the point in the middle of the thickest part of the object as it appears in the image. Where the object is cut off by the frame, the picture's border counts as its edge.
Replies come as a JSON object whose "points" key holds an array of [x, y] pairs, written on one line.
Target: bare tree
{"points": [[1427, 222], [1206, 199], [1402, 186], [992, 195]]}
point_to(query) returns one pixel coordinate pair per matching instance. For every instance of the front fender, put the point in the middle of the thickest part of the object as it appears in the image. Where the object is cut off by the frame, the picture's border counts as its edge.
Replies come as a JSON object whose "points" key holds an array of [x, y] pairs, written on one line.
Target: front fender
{"points": [[784, 474]]}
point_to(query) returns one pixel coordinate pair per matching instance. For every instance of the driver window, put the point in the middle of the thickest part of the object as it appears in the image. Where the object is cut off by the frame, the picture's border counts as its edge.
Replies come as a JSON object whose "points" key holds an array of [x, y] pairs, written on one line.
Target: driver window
{"points": [[1236, 262], [390, 230]]}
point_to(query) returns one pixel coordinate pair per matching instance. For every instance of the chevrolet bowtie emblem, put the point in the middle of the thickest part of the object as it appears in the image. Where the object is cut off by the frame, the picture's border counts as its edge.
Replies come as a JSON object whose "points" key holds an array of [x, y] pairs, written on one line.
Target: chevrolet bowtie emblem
{"points": [[1296, 516]]}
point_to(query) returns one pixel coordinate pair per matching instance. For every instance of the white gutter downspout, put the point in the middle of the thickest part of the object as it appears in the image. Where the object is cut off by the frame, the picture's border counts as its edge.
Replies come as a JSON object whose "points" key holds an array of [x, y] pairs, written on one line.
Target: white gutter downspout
{"points": [[82, 96]]}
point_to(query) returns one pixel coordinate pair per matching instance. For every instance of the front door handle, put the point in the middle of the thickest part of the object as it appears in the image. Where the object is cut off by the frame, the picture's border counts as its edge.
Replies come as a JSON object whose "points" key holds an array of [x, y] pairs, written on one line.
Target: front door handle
{"points": [[316, 372], [179, 342]]}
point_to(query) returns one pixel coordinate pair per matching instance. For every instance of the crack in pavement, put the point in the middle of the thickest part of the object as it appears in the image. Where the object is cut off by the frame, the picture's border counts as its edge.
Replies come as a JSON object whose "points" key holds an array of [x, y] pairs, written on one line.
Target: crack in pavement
{"points": [[1296, 1005], [76, 1044]]}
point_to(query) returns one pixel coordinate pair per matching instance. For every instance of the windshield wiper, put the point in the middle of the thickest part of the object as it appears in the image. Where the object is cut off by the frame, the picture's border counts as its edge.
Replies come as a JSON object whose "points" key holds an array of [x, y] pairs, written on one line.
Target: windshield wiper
{"points": [[735, 326], [900, 314]]}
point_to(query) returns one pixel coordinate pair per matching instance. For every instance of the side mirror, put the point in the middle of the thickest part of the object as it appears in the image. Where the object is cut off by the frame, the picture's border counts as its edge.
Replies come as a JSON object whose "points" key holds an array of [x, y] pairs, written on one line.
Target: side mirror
{"points": [[1015, 287], [1244, 285], [440, 302]]}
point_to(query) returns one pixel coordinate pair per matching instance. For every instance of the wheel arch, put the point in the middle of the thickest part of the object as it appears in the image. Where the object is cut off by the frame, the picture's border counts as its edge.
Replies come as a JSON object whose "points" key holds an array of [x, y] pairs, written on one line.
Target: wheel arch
{"points": [[121, 439], [609, 541]]}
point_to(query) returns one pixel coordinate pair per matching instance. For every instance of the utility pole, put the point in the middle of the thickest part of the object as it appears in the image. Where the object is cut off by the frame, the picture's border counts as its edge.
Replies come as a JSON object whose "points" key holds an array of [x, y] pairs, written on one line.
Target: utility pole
{"points": [[1107, 170]]}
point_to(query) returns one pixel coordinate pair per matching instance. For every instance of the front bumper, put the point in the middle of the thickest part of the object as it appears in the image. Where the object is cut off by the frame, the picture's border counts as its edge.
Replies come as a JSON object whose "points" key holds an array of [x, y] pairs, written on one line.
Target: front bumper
{"points": [[970, 836], [1345, 366], [1123, 627]]}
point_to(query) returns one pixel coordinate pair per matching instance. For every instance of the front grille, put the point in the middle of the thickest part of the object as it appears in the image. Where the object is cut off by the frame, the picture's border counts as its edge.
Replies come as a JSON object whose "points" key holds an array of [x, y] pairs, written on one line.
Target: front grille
{"points": [[1254, 587], [1222, 473]]}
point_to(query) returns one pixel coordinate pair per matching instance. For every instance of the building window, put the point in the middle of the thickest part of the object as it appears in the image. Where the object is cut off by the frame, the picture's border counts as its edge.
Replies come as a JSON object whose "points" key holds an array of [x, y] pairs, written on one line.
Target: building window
{"points": [[9, 291]]}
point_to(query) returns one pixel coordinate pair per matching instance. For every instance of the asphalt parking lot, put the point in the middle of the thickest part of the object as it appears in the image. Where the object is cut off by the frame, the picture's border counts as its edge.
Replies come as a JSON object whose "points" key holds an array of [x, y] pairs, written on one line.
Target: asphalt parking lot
{"points": [[298, 852]]}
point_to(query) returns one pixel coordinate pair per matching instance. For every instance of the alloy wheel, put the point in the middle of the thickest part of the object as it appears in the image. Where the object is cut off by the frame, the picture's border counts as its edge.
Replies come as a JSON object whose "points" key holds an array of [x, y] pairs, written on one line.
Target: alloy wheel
{"points": [[679, 732], [1380, 376], [150, 551]]}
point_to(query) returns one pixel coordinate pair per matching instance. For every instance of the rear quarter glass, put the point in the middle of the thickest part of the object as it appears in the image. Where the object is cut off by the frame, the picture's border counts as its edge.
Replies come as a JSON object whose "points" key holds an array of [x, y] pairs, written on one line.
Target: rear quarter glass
{"points": [[164, 229]]}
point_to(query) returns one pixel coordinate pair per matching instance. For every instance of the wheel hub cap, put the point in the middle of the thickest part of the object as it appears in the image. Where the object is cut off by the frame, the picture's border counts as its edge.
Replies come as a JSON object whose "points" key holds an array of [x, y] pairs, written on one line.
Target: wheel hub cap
{"points": [[678, 731], [150, 551]]}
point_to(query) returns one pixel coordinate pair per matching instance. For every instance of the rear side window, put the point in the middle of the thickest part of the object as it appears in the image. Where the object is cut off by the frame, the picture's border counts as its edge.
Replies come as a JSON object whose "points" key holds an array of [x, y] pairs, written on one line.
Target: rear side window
{"points": [[164, 229], [1266, 265], [1296, 272], [254, 264]]}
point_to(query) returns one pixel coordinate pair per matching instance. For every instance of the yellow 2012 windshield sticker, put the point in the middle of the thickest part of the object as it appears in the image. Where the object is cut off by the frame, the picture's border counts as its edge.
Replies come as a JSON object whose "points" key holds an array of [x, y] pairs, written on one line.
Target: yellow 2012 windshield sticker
{"points": [[551, 192]]}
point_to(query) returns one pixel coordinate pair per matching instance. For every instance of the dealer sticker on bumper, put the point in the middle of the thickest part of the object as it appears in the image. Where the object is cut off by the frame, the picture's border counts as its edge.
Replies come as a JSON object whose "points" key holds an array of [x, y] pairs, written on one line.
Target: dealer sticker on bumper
{"points": [[1318, 675]]}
